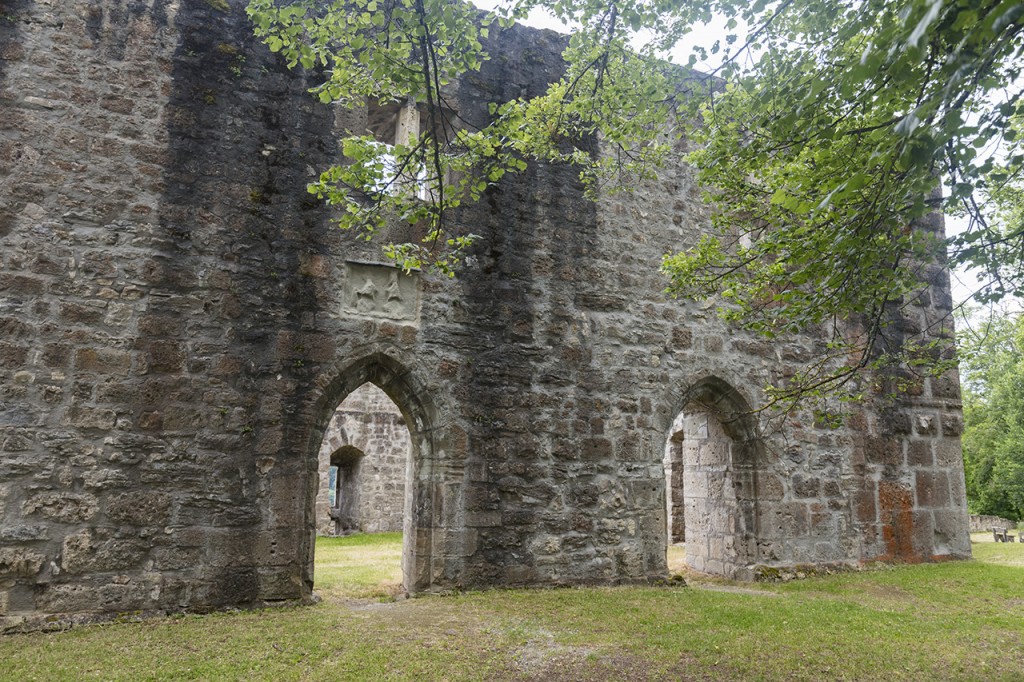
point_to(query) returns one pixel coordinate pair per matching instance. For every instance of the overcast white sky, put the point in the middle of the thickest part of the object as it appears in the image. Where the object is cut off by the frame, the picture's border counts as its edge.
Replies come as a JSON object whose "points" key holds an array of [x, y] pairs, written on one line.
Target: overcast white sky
{"points": [[705, 36]]}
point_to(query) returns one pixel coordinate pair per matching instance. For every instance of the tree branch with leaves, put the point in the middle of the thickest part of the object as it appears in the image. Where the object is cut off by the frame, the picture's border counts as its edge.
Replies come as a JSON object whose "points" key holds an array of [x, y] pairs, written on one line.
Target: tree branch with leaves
{"points": [[822, 142]]}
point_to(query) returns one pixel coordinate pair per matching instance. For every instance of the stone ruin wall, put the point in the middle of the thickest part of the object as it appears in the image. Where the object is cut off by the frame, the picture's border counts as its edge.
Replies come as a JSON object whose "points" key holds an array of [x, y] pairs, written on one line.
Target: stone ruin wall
{"points": [[368, 421], [980, 523], [179, 322]]}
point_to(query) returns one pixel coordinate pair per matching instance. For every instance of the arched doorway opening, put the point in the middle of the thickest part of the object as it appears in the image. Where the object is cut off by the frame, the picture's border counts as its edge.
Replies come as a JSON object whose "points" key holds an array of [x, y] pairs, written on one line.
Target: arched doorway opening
{"points": [[711, 454], [343, 492], [363, 464], [378, 481], [365, 460]]}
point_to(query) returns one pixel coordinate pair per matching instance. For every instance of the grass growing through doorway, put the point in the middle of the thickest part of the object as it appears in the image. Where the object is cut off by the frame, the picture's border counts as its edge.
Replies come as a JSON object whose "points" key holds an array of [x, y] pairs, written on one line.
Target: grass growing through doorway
{"points": [[363, 566], [950, 621]]}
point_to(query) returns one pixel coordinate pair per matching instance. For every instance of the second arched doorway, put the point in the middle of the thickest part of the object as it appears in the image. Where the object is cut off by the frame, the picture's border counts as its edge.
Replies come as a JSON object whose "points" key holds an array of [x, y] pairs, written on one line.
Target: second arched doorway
{"points": [[711, 460]]}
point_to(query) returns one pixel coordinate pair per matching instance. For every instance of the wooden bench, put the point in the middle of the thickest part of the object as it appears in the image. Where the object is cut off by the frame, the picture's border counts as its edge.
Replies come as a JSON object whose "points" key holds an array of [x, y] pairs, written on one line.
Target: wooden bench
{"points": [[1004, 535]]}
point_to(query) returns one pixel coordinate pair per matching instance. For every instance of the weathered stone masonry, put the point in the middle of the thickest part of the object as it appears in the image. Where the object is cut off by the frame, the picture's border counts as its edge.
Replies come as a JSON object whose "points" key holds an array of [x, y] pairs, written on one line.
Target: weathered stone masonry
{"points": [[179, 321]]}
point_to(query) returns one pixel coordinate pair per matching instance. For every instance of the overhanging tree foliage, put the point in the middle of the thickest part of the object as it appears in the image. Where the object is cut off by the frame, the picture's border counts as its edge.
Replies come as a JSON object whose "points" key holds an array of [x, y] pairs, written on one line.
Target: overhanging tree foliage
{"points": [[410, 51], [834, 124], [828, 148]]}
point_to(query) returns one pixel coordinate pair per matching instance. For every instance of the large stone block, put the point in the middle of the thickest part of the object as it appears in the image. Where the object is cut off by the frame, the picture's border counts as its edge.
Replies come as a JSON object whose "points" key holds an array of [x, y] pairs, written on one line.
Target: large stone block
{"points": [[89, 551], [931, 488], [66, 507], [107, 361], [145, 509], [16, 562]]}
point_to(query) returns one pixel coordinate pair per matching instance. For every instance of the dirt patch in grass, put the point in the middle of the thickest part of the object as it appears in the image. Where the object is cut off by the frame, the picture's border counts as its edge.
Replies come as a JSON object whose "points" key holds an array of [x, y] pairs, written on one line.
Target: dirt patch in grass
{"points": [[541, 653], [590, 667], [883, 592], [730, 588]]}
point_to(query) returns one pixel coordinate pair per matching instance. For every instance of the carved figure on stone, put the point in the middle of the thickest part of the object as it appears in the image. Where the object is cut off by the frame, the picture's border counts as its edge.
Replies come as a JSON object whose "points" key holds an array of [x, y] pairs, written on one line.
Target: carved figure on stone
{"points": [[393, 302], [381, 291], [366, 297]]}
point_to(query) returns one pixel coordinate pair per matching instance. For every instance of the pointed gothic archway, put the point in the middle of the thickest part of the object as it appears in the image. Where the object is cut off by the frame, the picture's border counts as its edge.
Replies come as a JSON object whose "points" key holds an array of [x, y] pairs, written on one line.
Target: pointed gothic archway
{"points": [[421, 490], [711, 461]]}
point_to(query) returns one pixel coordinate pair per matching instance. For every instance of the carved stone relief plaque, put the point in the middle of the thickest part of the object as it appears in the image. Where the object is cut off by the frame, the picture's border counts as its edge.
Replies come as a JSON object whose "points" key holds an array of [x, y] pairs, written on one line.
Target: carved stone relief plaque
{"points": [[381, 291]]}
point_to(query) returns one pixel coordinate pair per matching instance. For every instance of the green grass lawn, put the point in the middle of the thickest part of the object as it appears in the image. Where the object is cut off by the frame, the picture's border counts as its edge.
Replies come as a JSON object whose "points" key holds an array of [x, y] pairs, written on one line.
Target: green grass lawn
{"points": [[949, 621], [359, 566]]}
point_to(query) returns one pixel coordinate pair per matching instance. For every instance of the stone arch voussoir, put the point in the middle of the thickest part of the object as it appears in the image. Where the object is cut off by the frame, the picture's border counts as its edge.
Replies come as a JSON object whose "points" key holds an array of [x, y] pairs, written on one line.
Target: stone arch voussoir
{"points": [[720, 397]]}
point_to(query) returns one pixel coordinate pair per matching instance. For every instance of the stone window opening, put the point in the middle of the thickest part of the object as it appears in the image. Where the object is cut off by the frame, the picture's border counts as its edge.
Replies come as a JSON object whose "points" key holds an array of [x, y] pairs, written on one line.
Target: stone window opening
{"points": [[344, 490], [394, 123]]}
